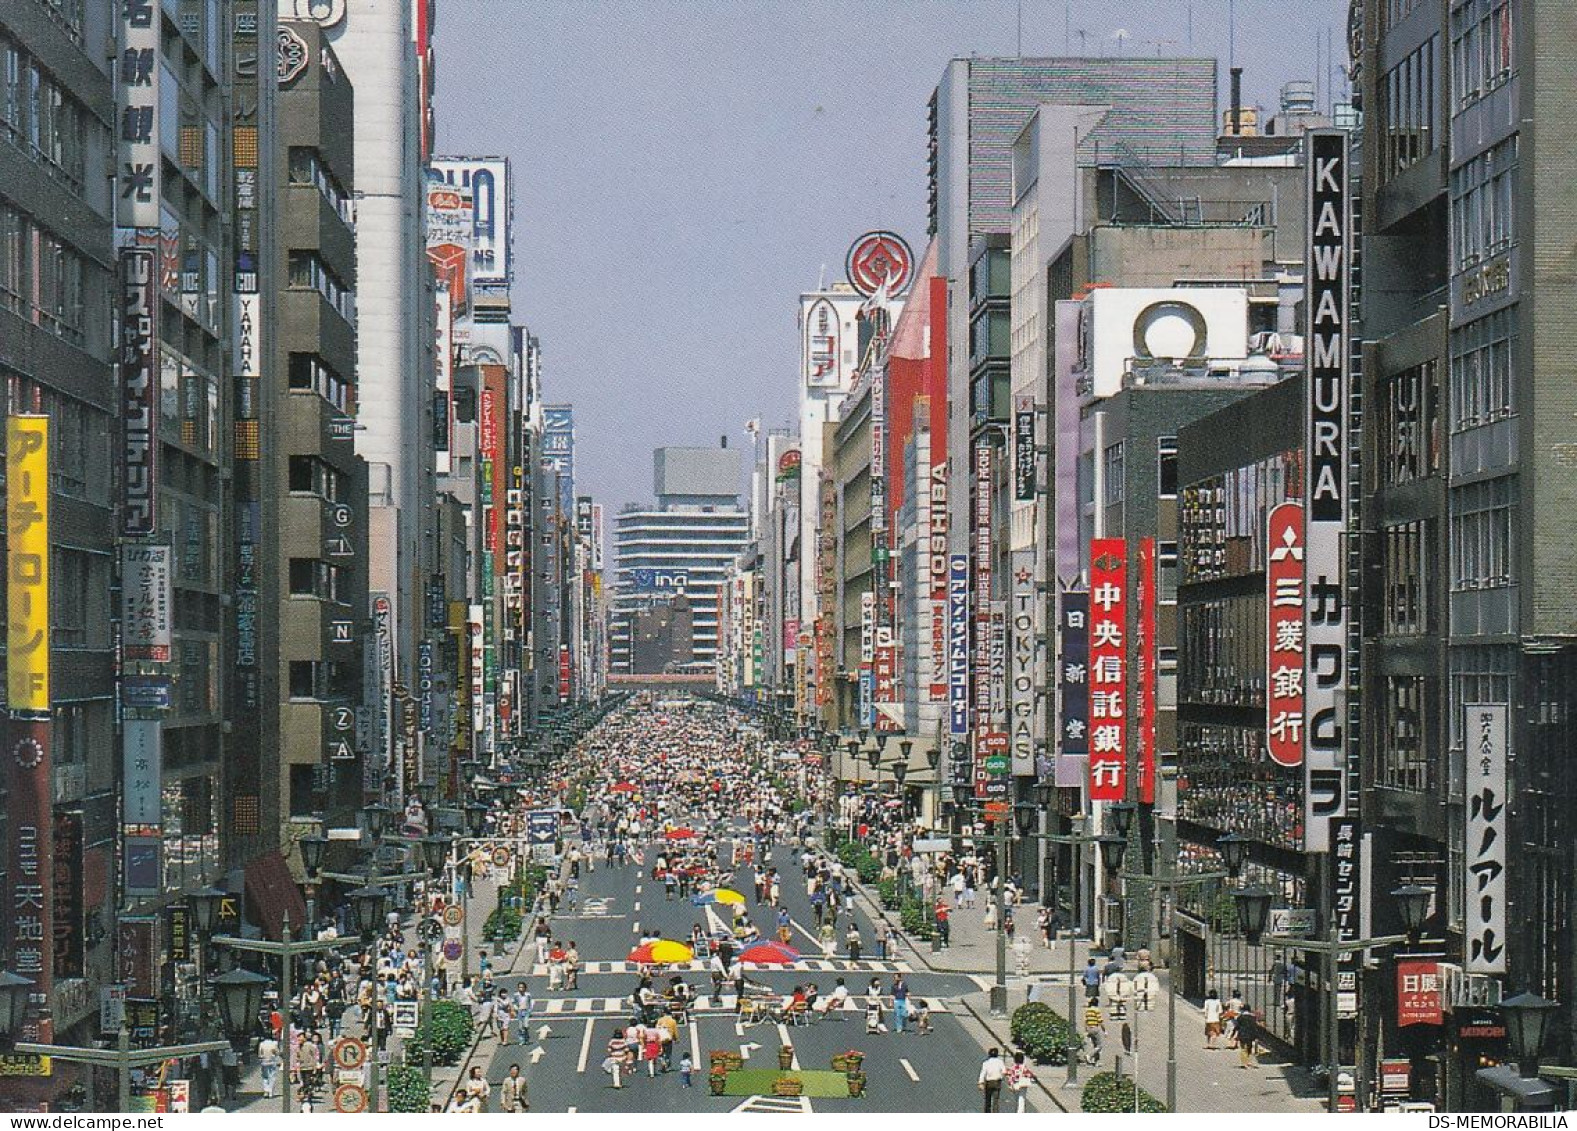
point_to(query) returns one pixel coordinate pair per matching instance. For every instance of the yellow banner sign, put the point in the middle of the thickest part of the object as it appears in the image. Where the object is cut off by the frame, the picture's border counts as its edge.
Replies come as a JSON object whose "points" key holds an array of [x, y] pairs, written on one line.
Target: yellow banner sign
{"points": [[27, 563], [14, 1064]]}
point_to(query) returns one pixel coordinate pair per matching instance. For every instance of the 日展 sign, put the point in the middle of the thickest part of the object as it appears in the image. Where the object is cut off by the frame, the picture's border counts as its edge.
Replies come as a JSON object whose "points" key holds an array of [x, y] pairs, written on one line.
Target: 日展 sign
{"points": [[1108, 658], [1284, 603], [1485, 842], [1418, 994]]}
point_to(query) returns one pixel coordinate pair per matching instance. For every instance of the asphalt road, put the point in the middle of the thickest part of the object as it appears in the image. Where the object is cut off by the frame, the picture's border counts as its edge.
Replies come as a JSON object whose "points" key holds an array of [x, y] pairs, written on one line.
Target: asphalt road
{"points": [[906, 1072]]}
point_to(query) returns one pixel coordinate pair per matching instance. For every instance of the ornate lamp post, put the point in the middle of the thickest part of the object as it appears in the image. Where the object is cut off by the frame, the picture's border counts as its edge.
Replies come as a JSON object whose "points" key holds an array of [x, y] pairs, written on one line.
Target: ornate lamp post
{"points": [[367, 905]]}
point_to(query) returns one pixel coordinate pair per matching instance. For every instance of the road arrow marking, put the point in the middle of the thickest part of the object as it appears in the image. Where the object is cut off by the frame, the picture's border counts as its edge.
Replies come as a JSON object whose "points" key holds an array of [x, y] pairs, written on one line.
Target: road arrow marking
{"points": [[585, 1046], [739, 1029], [695, 1042], [909, 1068], [542, 1033], [538, 1053], [746, 1048]]}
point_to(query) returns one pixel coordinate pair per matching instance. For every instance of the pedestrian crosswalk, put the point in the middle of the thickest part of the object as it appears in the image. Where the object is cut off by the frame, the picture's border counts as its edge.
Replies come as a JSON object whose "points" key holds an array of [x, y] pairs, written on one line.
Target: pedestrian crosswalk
{"points": [[705, 1004], [804, 965], [776, 1105]]}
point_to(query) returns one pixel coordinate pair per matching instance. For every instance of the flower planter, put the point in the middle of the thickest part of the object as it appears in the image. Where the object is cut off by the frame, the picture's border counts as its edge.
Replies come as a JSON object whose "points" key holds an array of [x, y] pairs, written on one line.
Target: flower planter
{"points": [[717, 1081], [848, 1061], [786, 1057], [856, 1083], [788, 1086]]}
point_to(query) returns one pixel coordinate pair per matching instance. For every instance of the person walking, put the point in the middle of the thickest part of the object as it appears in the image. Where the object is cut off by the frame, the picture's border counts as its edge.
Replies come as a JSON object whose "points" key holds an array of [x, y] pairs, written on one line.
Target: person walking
{"points": [[268, 1059], [1248, 1038], [512, 1092], [900, 1003], [1019, 1078], [992, 1071], [1212, 1009], [686, 1071], [1091, 977]]}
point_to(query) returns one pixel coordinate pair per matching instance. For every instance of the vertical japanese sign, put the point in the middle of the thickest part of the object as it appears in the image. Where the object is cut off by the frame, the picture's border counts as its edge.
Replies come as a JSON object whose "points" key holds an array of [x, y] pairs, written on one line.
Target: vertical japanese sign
{"points": [[981, 562], [1145, 658], [1024, 449], [137, 104], [1284, 604], [139, 388], [68, 895], [937, 565], [147, 619], [1108, 669], [958, 645], [1073, 689], [1326, 493], [1346, 879], [29, 806], [1021, 666], [383, 687], [1485, 844]]}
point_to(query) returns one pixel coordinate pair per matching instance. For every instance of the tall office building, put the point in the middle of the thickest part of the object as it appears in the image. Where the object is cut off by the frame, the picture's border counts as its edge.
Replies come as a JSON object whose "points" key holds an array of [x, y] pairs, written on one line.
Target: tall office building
{"points": [[685, 543], [380, 45], [57, 288], [1469, 666]]}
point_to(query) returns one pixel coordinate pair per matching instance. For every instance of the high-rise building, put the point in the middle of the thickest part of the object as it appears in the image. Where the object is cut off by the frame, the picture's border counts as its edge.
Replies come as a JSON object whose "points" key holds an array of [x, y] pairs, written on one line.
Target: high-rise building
{"points": [[685, 543], [377, 43], [58, 288], [1469, 667]]}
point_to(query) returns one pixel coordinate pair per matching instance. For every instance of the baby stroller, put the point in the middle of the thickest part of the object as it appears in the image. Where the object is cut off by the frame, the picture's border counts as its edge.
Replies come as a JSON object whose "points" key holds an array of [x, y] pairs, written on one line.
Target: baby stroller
{"points": [[873, 1018]]}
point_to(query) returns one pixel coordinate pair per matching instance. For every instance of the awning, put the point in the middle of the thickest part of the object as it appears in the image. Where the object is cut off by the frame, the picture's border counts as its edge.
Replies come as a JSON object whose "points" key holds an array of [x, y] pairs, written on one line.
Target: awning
{"points": [[271, 894]]}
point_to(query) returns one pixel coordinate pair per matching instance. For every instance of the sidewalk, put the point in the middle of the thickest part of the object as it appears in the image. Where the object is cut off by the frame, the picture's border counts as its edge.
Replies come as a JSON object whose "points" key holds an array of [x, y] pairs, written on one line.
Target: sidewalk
{"points": [[1207, 1080], [482, 900]]}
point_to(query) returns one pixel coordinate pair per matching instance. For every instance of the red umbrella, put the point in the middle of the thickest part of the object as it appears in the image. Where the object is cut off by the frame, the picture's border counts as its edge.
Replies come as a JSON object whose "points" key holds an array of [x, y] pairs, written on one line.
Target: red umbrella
{"points": [[624, 787], [770, 954], [680, 834]]}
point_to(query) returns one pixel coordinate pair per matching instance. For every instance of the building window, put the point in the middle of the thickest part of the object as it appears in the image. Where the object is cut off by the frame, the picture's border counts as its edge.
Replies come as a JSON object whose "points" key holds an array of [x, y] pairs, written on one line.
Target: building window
{"points": [[1409, 104], [307, 168], [1405, 569], [1482, 41], [41, 278], [1115, 481], [303, 679], [310, 373], [309, 271], [1166, 572], [1409, 425], [1481, 370], [1166, 467], [1482, 519], [1483, 200], [1479, 674], [1404, 759]]}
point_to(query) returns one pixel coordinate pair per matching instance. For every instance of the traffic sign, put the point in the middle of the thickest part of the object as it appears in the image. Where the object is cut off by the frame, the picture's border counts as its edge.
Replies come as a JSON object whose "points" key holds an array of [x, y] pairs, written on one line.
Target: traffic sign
{"points": [[349, 1053], [350, 1099], [454, 915]]}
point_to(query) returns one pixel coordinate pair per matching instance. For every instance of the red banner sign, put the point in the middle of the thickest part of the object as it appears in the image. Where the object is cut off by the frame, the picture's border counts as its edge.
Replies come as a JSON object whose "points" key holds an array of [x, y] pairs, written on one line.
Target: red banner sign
{"points": [[1284, 602], [1418, 996], [1145, 657], [1108, 669]]}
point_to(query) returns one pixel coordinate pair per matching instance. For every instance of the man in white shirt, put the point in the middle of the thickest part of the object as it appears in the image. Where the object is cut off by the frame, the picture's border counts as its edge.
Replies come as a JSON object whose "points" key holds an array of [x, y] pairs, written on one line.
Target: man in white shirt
{"points": [[992, 1070]]}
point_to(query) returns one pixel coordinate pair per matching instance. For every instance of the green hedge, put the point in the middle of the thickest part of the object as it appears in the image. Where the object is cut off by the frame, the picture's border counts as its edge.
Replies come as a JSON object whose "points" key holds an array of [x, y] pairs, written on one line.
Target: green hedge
{"points": [[868, 868], [1043, 1033], [888, 891], [850, 853], [502, 925], [918, 919], [408, 1090], [451, 1028], [1107, 1093]]}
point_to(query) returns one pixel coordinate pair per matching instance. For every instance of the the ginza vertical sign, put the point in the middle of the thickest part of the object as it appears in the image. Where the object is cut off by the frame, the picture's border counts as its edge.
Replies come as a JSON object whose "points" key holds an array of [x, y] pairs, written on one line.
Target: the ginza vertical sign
{"points": [[1327, 276]]}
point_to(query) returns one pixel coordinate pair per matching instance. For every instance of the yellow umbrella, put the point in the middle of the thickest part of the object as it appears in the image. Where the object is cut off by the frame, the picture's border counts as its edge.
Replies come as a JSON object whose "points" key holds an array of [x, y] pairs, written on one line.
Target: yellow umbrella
{"points": [[728, 895], [663, 952]]}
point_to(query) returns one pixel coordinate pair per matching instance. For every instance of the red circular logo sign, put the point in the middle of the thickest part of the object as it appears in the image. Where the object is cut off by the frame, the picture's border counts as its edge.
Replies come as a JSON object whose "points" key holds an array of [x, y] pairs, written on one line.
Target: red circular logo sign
{"points": [[879, 256]]}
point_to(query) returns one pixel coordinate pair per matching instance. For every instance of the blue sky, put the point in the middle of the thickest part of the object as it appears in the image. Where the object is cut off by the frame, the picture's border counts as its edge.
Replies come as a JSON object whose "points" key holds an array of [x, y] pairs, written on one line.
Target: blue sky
{"points": [[685, 168]]}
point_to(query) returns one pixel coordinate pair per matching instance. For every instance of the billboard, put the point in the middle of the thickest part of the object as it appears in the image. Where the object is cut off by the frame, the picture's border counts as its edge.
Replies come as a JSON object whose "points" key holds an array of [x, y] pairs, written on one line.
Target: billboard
{"points": [[1284, 604], [492, 212], [1108, 669], [1125, 325], [450, 218], [147, 621], [1488, 828], [558, 451], [1073, 688], [1326, 490], [137, 107], [1023, 724], [958, 645], [27, 566], [139, 388]]}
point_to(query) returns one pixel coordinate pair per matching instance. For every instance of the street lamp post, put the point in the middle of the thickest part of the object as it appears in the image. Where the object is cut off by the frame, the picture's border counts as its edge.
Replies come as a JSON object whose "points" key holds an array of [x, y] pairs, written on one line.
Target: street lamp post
{"points": [[1253, 912], [366, 906], [1076, 840], [287, 950]]}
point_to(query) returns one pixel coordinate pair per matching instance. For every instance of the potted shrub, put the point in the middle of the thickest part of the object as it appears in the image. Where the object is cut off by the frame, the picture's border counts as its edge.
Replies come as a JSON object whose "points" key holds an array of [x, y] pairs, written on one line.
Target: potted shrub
{"points": [[717, 1079], [1043, 1033], [856, 1083], [408, 1090], [848, 1061], [1107, 1093], [786, 1057], [788, 1086]]}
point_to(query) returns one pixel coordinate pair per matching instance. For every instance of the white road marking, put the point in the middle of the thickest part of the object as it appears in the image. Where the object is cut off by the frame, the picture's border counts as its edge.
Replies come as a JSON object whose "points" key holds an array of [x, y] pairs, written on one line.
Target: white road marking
{"points": [[542, 1033], [695, 1045], [538, 1053], [637, 906], [569, 1111], [739, 1029], [800, 927], [637, 889], [909, 1068], [585, 1046], [746, 1048]]}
